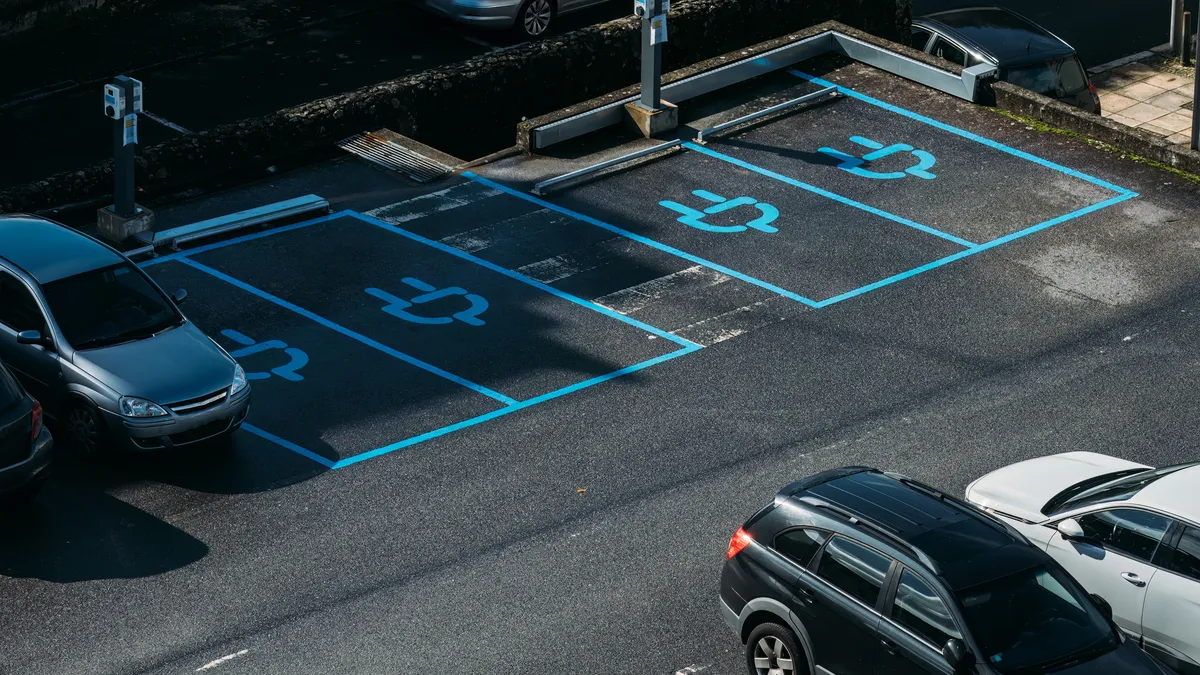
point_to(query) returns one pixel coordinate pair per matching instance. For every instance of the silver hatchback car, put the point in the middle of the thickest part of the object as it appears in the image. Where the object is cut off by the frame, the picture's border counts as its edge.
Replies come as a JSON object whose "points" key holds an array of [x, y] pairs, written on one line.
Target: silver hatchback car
{"points": [[104, 349], [528, 18]]}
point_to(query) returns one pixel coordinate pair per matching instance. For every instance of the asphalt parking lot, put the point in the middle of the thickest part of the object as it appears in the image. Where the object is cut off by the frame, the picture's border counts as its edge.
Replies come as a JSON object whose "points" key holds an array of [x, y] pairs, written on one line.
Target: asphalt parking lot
{"points": [[516, 432]]}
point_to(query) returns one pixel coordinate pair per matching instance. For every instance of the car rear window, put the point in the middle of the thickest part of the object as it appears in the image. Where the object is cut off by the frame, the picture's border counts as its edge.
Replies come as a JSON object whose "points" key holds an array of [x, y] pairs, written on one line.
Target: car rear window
{"points": [[10, 392], [1056, 77]]}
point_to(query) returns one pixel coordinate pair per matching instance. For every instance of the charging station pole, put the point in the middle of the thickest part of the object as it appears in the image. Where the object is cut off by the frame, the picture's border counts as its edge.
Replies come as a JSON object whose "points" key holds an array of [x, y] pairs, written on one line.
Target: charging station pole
{"points": [[651, 58], [122, 103]]}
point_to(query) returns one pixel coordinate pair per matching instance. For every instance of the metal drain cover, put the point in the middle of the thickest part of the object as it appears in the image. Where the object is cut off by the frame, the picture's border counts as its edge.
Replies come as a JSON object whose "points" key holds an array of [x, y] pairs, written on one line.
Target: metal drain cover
{"points": [[389, 155]]}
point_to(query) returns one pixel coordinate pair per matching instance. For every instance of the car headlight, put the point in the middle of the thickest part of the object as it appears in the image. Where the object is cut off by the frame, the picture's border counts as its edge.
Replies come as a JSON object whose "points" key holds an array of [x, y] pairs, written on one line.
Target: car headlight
{"points": [[239, 379], [131, 406]]}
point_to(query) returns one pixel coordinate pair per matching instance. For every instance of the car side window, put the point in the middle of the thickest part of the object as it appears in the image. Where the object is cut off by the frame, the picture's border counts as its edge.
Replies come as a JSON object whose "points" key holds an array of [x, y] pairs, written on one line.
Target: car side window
{"points": [[918, 608], [801, 544], [1130, 531], [943, 48], [920, 38], [854, 568], [18, 310], [1185, 559]]}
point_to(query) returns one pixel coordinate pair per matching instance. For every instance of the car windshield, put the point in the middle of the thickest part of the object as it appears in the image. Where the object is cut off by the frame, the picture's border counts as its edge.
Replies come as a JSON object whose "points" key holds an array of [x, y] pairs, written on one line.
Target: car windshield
{"points": [[1119, 487], [109, 306], [1054, 78], [1034, 621]]}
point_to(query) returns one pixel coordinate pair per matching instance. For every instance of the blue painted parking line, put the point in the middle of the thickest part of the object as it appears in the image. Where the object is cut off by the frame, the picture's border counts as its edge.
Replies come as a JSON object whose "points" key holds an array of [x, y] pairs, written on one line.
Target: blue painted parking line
{"points": [[522, 278], [513, 408], [511, 405], [374, 344], [977, 249], [642, 240], [962, 133], [827, 194]]}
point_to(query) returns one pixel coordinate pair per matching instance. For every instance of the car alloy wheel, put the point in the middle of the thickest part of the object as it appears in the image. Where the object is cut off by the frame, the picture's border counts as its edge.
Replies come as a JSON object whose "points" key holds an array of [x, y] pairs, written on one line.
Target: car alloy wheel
{"points": [[536, 18], [84, 430], [771, 657]]}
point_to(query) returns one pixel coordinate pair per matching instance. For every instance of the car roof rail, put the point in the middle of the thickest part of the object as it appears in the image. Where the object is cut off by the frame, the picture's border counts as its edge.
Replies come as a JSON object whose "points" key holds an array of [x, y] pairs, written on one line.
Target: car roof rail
{"points": [[962, 505], [860, 520]]}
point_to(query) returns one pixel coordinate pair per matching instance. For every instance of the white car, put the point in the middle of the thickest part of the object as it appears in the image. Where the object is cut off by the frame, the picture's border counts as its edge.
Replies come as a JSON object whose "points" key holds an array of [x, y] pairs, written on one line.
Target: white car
{"points": [[1128, 532]]}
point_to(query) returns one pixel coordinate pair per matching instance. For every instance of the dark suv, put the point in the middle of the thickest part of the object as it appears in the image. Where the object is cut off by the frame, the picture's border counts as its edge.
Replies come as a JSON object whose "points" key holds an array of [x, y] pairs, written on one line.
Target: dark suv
{"points": [[25, 443], [856, 571]]}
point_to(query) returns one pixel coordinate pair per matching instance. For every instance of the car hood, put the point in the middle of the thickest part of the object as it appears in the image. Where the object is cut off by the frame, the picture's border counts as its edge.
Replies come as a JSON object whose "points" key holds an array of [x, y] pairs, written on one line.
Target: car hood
{"points": [[1022, 489], [1126, 659], [174, 366]]}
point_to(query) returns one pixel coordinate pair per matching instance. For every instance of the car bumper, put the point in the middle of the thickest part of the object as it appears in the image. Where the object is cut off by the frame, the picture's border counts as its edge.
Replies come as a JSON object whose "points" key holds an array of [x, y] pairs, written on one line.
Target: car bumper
{"points": [[173, 431], [731, 617], [38, 463], [484, 13]]}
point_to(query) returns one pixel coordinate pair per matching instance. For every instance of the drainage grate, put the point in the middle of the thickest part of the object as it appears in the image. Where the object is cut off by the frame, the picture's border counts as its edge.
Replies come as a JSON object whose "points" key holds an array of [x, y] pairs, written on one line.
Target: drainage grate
{"points": [[393, 156]]}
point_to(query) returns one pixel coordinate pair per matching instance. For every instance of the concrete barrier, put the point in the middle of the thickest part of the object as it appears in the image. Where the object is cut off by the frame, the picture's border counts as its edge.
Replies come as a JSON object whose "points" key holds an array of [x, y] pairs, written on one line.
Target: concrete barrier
{"points": [[468, 108], [1062, 116]]}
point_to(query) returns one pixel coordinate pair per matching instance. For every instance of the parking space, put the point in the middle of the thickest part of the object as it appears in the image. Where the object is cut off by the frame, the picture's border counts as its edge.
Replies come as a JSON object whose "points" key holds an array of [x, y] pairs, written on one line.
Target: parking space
{"points": [[413, 340], [837, 199]]}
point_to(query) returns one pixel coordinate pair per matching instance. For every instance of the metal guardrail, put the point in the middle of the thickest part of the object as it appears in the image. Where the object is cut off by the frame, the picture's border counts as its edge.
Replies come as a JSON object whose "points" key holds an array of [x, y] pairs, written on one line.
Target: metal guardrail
{"points": [[963, 86], [540, 188], [827, 91], [230, 222]]}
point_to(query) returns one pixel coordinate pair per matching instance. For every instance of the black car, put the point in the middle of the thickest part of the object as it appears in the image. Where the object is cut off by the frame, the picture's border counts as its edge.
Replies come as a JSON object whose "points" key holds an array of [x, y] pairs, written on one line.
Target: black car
{"points": [[855, 571], [1025, 54], [25, 443]]}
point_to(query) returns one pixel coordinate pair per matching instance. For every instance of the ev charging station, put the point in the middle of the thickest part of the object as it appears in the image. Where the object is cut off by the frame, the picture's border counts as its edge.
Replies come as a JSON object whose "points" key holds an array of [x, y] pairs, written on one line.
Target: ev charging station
{"points": [[650, 113], [122, 103]]}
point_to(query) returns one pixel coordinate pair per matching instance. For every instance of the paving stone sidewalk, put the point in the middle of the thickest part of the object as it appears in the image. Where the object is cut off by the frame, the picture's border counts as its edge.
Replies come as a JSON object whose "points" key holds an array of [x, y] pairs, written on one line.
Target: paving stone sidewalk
{"points": [[1154, 94]]}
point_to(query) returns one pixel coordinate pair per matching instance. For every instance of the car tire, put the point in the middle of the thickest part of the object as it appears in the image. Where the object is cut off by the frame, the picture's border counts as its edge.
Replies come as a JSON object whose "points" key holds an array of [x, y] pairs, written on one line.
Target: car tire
{"points": [[772, 648], [85, 430], [535, 18]]}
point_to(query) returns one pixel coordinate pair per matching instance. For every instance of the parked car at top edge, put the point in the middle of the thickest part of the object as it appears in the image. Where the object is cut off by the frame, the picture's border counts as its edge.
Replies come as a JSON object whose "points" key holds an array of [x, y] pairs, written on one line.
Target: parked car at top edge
{"points": [[855, 571], [104, 349], [25, 443], [528, 18], [1026, 54], [1127, 531]]}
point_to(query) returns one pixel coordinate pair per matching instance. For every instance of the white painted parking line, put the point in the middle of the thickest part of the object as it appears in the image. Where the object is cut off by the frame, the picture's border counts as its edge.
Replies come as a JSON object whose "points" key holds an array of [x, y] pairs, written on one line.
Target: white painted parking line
{"points": [[482, 43], [630, 300], [216, 662], [434, 202], [166, 123], [736, 322]]}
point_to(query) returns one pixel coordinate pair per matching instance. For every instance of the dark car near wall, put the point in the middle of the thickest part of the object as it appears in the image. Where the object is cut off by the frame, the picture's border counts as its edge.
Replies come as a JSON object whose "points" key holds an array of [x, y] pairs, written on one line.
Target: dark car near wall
{"points": [[25, 442], [855, 571], [1026, 54]]}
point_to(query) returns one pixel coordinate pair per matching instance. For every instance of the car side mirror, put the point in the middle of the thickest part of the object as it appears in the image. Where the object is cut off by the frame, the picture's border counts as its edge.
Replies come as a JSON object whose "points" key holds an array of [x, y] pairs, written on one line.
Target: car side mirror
{"points": [[32, 337], [1102, 605], [1069, 528], [956, 654], [179, 296]]}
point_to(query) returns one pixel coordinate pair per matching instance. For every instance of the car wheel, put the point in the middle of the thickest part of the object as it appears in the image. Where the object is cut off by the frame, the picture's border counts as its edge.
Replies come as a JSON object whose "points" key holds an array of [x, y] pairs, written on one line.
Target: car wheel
{"points": [[772, 649], [85, 433], [535, 18]]}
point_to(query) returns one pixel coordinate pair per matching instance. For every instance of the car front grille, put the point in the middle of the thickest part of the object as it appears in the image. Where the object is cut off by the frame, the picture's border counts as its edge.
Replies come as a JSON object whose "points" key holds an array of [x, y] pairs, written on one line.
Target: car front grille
{"points": [[199, 433], [200, 403]]}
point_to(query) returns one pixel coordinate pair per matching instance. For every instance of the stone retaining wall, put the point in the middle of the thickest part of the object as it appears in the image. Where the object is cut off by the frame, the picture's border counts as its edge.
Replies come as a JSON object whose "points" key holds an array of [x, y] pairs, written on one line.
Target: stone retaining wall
{"points": [[21, 15], [468, 108], [1060, 115]]}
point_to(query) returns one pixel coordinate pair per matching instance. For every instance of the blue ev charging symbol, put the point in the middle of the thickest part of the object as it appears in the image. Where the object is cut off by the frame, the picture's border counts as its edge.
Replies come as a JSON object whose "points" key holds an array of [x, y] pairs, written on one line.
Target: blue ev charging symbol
{"points": [[398, 307], [287, 371], [925, 161], [693, 218]]}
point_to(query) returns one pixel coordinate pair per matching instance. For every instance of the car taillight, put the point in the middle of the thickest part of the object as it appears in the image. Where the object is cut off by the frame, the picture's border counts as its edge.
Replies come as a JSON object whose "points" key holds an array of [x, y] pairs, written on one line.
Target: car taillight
{"points": [[36, 419], [738, 542]]}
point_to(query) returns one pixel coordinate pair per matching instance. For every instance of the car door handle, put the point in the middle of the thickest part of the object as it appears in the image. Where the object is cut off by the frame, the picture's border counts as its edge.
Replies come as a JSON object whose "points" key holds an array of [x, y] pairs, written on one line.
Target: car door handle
{"points": [[804, 594], [1133, 579], [888, 647]]}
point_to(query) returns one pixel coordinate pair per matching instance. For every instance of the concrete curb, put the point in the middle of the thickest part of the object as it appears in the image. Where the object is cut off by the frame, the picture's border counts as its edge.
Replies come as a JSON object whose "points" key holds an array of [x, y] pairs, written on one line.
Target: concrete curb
{"points": [[1142, 143], [462, 107]]}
